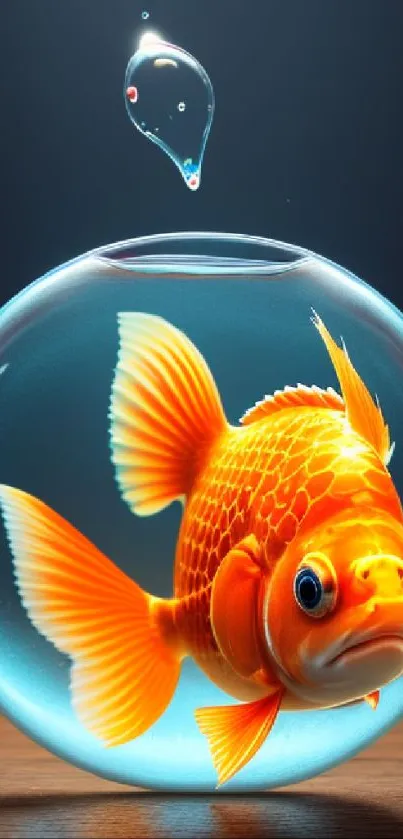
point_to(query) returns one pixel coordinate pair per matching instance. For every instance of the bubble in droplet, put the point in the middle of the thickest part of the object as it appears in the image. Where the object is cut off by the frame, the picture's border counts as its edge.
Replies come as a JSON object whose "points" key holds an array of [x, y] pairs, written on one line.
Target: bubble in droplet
{"points": [[145, 15], [173, 104], [132, 94], [165, 62], [194, 182]]}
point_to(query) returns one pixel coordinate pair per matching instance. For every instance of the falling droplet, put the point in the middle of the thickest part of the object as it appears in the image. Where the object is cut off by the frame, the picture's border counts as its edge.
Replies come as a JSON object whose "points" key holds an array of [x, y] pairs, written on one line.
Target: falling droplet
{"points": [[169, 98], [145, 15]]}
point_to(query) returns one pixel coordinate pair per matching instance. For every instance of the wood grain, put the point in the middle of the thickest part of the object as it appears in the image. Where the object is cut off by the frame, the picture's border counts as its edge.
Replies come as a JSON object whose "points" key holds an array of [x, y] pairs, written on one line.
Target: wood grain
{"points": [[41, 796]]}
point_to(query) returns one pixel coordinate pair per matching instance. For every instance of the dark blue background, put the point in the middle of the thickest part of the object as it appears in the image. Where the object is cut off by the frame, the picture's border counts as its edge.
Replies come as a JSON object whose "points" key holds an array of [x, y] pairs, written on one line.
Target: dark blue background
{"points": [[306, 145]]}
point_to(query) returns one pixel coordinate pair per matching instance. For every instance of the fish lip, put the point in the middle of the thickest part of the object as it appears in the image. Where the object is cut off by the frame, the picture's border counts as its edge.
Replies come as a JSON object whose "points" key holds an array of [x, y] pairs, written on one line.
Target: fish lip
{"points": [[368, 642]]}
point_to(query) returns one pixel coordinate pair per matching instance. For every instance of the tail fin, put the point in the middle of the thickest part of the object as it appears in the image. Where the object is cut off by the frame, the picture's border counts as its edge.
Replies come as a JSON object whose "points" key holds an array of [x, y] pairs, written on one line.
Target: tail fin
{"points": [[125, 668], [165, 411]]}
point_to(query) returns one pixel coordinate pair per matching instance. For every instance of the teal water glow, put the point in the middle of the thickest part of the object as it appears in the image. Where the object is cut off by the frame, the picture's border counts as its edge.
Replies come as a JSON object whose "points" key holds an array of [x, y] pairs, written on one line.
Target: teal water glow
{"points": [[246, 304]]}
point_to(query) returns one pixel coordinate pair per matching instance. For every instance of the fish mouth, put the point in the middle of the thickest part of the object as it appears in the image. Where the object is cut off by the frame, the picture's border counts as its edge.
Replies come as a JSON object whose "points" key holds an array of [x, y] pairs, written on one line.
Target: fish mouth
{"points": [[377, 643]]}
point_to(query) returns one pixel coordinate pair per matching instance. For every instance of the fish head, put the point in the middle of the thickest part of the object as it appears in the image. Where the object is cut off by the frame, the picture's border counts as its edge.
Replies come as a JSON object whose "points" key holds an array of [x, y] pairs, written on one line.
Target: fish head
{"points": [[333, 609]]}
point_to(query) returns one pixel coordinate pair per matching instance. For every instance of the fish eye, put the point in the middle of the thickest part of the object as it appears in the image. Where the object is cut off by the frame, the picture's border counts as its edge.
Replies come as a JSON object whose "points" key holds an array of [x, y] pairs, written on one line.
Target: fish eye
{"points": [[314, 592]]}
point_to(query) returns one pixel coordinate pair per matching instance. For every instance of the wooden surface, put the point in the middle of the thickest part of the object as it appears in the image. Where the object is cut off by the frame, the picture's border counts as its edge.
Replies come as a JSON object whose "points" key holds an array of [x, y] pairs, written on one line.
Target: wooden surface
{"points": [[41, 796]]}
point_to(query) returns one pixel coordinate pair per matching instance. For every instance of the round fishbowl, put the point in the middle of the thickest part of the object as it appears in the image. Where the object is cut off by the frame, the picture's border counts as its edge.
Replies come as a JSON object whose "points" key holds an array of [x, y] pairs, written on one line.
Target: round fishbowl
{"points": [[162, 403]]}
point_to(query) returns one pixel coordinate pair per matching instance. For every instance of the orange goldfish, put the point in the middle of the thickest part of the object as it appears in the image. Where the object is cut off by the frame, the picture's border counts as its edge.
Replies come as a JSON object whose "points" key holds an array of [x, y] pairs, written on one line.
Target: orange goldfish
{"points": [[288, 581]]}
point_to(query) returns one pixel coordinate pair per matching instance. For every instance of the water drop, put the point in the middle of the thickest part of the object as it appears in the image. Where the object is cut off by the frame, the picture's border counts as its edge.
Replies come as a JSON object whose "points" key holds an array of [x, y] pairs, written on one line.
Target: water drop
{"points": [[145, 15], [169, 98]]}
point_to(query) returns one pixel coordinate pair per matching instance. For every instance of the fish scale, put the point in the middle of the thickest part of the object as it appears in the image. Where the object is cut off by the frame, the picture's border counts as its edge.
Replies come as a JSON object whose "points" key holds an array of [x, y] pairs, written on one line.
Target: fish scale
{"points": [[265, 478]]}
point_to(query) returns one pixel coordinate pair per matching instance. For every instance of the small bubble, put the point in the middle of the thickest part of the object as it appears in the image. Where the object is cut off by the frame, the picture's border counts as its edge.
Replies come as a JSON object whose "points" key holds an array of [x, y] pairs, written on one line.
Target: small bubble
{"points": [[181, 107], [145, 15], [165, 62], [132, 94], [193, 182]]}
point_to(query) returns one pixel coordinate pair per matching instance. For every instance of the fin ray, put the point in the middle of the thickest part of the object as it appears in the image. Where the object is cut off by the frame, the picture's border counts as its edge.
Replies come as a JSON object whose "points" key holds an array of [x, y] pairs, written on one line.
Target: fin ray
{"points": [[363, 413], [300, 396], [124, 669], [236, 732], [165, 410]]}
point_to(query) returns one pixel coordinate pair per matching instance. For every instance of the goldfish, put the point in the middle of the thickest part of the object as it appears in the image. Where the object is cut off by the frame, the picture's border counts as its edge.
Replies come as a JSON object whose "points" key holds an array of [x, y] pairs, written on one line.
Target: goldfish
{"points": [[288, 573]]}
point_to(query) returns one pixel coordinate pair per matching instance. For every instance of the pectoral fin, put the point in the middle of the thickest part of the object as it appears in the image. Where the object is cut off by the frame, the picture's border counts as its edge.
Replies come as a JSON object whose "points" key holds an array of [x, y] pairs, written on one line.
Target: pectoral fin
{"points": [[234, 603], [372, 699], [236, 732]]}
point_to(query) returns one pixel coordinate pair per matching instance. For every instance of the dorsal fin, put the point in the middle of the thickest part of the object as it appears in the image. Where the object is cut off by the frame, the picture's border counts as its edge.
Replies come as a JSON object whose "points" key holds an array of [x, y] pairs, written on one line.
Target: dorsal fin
{"points": [[364, 415], [293, 397]]}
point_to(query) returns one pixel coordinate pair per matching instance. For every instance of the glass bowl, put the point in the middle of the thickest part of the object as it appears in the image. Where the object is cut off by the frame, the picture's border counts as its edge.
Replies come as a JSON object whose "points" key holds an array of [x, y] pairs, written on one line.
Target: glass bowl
{"points": [[246, 304]]}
